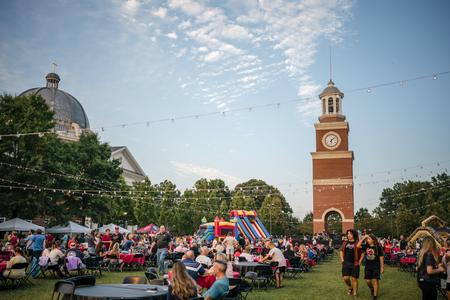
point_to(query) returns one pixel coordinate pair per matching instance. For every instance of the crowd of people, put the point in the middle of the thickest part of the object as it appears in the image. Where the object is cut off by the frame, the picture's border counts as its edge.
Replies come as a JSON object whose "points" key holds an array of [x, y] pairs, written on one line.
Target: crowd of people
{"points": [[199, 258], [191, 259]]}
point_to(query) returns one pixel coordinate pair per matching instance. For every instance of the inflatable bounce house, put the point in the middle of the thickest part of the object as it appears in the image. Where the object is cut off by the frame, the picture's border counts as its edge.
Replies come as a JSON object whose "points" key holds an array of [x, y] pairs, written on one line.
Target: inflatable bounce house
{"points": [[241, 221], [432, 226]]}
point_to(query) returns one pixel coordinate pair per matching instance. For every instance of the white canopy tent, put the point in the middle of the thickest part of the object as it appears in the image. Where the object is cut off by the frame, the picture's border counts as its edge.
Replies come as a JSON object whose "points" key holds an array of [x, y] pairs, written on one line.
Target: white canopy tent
{"points": [[70, 227], [19, 225], [111, 227]]}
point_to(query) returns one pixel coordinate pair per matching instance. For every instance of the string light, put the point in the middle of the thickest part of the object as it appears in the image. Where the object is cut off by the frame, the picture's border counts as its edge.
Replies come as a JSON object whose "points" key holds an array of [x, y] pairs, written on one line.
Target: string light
{"points": [[110, 184], [251, 108]]}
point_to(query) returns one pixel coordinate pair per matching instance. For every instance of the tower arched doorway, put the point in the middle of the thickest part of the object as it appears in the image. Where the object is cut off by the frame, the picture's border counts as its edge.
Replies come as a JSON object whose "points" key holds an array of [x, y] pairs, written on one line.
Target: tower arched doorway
{"points": [[333, 222]]}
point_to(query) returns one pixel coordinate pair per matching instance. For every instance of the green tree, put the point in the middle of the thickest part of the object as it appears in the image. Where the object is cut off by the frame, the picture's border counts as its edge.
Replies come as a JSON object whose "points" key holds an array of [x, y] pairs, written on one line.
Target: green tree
{"points": [[306, 225], [272, 215], [24, 115], [146, 207], [53, 173], [166, 201], [363, 219]]}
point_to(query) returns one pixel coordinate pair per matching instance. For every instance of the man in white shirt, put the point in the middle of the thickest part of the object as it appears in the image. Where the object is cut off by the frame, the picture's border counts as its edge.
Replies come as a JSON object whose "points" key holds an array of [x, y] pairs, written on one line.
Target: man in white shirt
{"points": [[229, 243], [203, 257]]}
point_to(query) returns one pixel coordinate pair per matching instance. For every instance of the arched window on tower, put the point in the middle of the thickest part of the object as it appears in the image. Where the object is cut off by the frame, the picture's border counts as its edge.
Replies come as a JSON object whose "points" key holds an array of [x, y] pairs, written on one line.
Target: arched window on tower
{"points": [[330, 106], [337, 105]]}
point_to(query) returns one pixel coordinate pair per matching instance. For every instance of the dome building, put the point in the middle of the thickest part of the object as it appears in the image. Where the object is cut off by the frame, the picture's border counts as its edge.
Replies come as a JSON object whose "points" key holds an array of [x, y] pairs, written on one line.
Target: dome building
{"points": [[70, 118], [71, 121]]}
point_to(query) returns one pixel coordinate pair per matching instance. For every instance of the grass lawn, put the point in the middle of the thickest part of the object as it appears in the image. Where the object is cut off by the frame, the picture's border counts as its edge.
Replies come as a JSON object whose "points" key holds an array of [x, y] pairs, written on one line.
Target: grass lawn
{"points": [[324, 282]]}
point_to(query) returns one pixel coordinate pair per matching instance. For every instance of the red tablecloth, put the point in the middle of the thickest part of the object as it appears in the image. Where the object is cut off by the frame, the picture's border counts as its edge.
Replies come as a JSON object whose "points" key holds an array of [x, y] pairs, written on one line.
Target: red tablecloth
{"points": [[408, 260], [130, 258], [3, 266]]}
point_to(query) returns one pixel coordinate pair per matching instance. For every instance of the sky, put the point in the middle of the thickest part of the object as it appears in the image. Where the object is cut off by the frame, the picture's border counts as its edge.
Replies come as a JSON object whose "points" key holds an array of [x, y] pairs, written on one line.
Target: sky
{"points": [[138, 61]]}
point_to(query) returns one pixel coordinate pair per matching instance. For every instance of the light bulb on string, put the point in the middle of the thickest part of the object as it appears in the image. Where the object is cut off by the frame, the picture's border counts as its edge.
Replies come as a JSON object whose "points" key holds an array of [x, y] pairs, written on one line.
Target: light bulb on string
{"points": [[435, 77], [369, 90]]}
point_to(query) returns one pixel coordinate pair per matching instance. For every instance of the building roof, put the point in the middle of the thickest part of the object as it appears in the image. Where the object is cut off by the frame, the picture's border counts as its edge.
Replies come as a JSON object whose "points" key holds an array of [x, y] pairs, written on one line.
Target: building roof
{"points": [[130, 158], [331, 89], [65, 106]]}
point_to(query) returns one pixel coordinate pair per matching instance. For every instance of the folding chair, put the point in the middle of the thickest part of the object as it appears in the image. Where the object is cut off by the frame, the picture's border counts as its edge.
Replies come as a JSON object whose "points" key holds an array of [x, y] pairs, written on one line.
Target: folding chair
{"points": [[242, 286], [16, 281], [295, 269], [135, 265], [86, 280], [233, 294], [151, 276], [63, 288], [93, 265]]}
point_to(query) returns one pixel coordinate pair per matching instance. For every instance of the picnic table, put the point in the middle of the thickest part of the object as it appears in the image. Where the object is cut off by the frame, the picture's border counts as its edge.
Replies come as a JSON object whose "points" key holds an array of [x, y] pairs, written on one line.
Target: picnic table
{"points": [[244, 267]]}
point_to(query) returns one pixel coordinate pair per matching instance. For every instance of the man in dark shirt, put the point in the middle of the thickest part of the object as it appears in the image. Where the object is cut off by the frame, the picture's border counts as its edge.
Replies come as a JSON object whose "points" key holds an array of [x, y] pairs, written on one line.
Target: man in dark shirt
{"points": [[288, 253], [241, 241], [403, 243], [193, 268], [163, 239], [117, 237]]}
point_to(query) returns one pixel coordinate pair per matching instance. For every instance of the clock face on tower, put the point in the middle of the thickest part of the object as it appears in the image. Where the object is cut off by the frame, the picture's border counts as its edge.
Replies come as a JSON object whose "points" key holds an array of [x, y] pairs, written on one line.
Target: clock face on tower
{"points": [[331, 140]]}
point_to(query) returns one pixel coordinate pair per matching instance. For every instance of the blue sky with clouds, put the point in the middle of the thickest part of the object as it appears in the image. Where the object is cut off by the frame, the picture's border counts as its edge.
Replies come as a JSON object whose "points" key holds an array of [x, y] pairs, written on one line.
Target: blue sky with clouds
{"points": [[129, 61]]}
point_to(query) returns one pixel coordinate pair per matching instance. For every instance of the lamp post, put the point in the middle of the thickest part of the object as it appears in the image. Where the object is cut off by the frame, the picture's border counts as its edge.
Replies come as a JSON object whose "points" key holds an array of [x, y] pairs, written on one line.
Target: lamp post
{"points": [[125, 219], [270, 217]]}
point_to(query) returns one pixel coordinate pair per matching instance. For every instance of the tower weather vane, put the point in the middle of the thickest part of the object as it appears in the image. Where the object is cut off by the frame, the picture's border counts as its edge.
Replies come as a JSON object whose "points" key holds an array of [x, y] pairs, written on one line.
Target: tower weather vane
{"points": [[54, 67]]}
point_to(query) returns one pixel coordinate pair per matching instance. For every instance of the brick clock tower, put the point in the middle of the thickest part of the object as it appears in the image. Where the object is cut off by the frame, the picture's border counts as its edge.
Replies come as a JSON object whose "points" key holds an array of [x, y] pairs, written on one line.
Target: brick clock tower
{"points": [[332, 163]]}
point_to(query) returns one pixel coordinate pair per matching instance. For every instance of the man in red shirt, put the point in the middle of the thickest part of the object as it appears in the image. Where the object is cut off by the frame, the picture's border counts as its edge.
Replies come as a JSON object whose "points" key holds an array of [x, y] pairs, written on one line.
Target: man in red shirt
{"points": [[106, 240]]}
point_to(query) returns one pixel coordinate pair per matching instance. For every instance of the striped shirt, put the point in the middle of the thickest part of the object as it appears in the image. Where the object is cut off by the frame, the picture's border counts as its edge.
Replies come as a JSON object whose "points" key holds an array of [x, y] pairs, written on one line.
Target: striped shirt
{"points": [[193, 268]]}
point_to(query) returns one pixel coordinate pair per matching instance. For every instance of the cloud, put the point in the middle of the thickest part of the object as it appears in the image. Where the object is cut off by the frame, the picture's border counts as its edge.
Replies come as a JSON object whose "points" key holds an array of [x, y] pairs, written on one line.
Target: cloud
{"points": [[130, 7], [172, 35], [213, 56], [189, 7], [184, 25], [188, 169], [240, 48], [160, 12]]}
